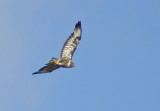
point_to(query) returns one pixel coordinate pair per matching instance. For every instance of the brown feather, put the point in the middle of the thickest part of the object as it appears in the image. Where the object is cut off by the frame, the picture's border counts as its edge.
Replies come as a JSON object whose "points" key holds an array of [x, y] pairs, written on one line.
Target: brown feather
{"points": [[49, 67], [72, 42], [67, 52]]}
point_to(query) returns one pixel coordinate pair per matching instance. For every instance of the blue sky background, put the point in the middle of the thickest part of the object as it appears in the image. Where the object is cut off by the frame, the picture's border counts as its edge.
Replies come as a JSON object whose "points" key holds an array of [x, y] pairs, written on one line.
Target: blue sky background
{"points": [[118, 58]]}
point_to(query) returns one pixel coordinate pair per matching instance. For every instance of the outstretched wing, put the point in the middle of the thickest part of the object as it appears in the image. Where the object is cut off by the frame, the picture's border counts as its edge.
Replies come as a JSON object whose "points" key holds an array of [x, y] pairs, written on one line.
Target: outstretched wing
{"points": [[49, 67], [72, 42]]}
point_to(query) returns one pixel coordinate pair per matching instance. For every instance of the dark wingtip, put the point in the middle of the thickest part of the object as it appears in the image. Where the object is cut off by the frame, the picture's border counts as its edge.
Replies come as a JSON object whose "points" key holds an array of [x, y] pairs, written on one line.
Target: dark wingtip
{"points": [[78, 24], [34, 73]]}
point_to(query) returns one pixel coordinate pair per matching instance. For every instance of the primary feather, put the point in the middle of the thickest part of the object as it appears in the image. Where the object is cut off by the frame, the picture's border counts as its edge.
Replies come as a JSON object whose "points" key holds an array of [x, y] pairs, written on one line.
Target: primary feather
{"points": [[72, 42]]}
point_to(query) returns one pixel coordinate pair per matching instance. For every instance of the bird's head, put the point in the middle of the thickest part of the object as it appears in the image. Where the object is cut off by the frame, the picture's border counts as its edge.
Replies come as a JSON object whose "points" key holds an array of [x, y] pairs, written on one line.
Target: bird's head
{"points": [[73, 64]]}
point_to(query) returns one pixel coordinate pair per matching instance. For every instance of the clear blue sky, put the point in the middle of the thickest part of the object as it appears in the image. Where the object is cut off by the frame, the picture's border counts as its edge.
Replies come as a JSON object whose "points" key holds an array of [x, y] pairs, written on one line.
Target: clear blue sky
{"points": [[118, 58]]}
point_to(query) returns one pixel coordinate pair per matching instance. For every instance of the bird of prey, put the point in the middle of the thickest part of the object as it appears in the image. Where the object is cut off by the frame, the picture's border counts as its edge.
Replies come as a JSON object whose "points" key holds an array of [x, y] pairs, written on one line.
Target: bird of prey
{"points": [[67, 52]]}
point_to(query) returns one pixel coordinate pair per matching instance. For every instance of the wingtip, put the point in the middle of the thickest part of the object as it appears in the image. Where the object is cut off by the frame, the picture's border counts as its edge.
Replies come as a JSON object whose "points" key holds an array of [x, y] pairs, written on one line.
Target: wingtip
{"points": [[78, 24], [34, 73]]}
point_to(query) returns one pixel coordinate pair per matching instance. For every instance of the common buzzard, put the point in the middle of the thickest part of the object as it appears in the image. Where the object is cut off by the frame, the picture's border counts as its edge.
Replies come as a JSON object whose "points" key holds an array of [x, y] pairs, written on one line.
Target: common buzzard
{"points": [[66, 53]]}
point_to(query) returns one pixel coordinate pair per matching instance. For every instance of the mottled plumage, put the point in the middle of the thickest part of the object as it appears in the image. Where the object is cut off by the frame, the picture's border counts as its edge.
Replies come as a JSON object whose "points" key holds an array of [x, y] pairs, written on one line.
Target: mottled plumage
{"points": [[67, 52]]}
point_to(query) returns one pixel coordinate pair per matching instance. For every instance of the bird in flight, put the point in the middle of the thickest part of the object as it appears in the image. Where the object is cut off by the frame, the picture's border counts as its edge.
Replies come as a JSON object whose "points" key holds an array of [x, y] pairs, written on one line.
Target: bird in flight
{"points": [[67, 52]]}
